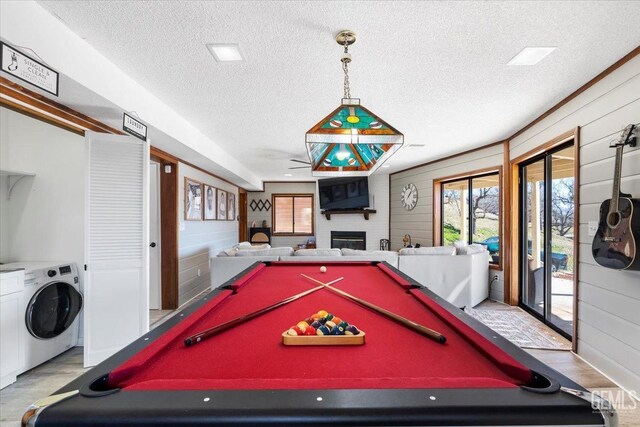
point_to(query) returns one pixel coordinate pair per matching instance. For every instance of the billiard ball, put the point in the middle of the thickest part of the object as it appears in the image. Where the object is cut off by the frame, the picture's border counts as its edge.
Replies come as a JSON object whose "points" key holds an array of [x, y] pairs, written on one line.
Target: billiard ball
{"points": [[330, 324], [295, 331], [323, 330], [351, 330], [316, 324], [323, 269]]}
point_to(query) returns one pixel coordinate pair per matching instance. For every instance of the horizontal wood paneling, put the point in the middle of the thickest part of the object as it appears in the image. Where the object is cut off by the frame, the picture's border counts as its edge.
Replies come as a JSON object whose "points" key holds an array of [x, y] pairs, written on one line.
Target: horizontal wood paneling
{"points": [[199, 240], [609, 300], [419, 222]]}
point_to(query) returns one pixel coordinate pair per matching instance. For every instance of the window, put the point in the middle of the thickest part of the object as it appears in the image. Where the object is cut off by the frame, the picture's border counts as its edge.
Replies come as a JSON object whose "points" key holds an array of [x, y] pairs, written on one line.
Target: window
{"points": [[470, 211], [292, 214]]}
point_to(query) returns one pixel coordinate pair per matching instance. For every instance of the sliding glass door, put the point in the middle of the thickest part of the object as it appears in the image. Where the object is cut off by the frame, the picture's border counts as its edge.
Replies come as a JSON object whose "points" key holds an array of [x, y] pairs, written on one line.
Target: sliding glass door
{"points": [[547, 208]]}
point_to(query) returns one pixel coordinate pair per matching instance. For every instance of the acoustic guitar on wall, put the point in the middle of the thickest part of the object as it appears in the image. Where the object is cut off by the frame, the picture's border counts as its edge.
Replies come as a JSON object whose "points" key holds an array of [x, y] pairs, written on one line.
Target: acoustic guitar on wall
{"points": [[616, 242]]}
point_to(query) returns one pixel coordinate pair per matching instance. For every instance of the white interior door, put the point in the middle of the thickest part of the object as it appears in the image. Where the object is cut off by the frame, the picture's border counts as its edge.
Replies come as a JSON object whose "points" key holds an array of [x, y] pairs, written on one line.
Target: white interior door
{"points": [[116, 292], [155, 292]]}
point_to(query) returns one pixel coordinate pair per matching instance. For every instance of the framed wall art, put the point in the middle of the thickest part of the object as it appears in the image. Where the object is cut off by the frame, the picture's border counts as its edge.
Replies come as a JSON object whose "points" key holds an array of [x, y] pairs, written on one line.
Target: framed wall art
{"points": [[231, 207], [192, 200], [222, 204], [210, 207]]}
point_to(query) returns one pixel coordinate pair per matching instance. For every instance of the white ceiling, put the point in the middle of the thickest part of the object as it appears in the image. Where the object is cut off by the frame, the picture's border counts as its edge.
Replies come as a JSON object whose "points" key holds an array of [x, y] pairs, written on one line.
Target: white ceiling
{"points": [[434, 70]]}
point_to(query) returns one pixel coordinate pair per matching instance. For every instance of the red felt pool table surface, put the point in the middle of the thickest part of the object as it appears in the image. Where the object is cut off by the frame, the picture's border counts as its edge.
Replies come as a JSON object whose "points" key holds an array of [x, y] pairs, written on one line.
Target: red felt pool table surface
{"points": [[252, 356]]}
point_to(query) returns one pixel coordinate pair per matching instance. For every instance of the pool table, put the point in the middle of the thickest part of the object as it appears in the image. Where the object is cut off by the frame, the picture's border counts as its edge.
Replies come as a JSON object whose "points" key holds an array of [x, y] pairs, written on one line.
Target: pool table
{"points": [[245, 376]]}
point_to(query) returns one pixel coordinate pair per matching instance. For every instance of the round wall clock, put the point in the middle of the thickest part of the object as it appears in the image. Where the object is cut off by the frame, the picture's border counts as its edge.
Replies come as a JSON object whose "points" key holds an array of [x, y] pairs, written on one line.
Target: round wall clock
{"points": [[409, 196]]}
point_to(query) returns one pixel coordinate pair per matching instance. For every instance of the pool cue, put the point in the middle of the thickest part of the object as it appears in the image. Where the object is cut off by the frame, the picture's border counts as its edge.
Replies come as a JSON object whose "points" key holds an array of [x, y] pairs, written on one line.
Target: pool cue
{"points": [[423, 330], [200, 336]]}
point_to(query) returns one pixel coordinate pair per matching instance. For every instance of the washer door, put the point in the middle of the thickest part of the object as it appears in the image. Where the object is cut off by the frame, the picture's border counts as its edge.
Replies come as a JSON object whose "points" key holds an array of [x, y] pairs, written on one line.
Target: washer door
{"points": [[52, 309]]}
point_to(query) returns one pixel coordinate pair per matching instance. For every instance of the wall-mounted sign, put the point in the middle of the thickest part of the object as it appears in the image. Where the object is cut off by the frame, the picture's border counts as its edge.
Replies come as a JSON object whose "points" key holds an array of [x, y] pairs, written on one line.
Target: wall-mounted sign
{"points": [[134, 127], [29, 70]]}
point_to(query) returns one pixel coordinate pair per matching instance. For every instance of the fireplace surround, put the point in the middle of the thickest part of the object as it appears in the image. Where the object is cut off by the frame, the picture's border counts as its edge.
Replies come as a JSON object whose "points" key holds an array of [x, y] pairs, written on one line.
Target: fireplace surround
{"points": [[349, 239]]}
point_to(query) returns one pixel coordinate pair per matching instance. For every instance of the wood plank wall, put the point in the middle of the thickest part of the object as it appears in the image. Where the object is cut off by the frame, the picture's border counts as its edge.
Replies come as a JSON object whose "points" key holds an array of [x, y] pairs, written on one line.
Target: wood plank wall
{"points": [[419, 221], [609, 301]]}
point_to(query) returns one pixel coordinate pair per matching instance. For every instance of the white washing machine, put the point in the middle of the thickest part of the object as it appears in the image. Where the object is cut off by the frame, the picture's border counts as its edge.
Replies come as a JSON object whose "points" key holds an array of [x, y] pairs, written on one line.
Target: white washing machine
{"points": [[52, 303]]}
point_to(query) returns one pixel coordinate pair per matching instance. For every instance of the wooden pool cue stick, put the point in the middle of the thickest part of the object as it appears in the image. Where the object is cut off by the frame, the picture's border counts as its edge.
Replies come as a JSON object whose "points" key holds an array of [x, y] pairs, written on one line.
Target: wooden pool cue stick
{"points": [[423, 330], [200, 336]]}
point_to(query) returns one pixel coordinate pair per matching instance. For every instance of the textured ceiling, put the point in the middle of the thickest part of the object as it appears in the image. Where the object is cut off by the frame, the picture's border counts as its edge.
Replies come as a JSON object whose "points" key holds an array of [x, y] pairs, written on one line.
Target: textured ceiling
{"points": [[434, 70]]}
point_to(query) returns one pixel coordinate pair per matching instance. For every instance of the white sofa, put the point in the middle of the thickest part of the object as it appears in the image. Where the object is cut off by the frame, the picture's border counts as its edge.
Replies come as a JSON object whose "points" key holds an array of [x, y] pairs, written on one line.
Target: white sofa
{"points": [[224, 267], [459, 276]]}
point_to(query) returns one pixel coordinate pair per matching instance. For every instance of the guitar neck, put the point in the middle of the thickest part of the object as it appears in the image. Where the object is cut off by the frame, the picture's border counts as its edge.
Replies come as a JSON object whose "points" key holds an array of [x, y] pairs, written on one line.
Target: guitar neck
{"points": [[615, 197]]}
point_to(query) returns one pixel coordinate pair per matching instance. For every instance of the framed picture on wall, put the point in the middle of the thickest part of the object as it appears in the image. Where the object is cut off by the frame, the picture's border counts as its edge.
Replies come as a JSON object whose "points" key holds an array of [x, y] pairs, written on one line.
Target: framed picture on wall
{"points": [[222, 204], [210, 209], [231, 207], [192, 200]]}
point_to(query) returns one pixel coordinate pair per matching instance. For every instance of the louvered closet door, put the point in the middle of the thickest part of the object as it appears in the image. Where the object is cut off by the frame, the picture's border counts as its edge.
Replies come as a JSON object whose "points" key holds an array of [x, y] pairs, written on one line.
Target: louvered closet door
{"points": [[116, 287]]}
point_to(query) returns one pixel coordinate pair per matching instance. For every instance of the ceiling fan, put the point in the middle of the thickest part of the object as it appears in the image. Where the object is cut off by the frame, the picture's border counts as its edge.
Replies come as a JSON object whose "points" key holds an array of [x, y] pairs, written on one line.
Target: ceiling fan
{"points": [[300, 161]]}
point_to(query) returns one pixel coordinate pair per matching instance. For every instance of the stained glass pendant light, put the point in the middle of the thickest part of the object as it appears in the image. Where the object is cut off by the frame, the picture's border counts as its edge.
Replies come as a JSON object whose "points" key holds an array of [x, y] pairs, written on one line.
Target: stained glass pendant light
{"points": [[351, 141]]}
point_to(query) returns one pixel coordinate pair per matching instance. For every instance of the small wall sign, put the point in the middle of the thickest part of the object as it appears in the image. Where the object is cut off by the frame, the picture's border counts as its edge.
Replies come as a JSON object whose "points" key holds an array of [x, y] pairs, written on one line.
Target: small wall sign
{"points": [[134, 127], [29, 70]]}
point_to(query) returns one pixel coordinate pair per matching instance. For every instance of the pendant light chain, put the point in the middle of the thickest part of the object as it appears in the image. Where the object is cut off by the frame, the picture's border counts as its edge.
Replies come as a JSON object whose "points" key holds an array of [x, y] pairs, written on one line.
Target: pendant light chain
{"points": [[346, 58]]}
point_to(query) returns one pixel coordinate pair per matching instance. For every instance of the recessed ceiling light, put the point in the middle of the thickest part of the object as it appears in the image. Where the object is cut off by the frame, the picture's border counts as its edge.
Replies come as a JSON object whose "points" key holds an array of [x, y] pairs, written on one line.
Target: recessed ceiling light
{"points": [[531, 55], [225, 52], [288, 174]]}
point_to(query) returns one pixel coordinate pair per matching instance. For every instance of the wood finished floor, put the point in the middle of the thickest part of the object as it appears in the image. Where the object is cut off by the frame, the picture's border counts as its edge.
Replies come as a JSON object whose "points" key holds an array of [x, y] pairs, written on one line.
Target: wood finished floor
{"points": [[48, 377]]}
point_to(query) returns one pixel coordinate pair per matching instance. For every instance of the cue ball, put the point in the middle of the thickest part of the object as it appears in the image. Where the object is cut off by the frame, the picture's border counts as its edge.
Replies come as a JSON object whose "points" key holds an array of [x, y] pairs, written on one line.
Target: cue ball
{"points": [[323, 269]]}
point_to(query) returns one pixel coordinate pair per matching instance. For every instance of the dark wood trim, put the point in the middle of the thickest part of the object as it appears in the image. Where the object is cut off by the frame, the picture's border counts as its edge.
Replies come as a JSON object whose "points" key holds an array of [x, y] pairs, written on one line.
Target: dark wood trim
{"points": [[163, 155], [40, 117], [471, 174], [168, 229], [461, 153], [552, 143], [436, 223], [506, 223], [27, 101], [167, 156], [365, 212], [578, 91], [273, 214], [242, 216], [437, 203]]}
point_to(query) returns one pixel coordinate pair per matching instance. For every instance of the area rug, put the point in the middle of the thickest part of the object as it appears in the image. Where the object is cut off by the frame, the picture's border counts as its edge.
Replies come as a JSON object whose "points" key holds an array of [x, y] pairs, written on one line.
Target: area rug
{"points": [[520, 328]]}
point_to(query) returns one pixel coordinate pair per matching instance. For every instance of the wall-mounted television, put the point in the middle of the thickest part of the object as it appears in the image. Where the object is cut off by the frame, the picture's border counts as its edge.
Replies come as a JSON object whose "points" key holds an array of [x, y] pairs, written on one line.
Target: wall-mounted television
{"points": [[344, 193]]}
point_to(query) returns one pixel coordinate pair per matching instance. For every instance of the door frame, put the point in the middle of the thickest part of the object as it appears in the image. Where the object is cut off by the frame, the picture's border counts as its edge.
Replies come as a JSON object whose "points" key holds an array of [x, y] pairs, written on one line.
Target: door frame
{"points": [[168, 227], [242, 215], [512, 296]]}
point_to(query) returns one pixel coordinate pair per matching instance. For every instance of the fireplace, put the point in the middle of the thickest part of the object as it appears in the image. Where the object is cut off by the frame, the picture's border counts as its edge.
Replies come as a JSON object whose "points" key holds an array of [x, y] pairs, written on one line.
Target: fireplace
{"points": [[349, 239]]}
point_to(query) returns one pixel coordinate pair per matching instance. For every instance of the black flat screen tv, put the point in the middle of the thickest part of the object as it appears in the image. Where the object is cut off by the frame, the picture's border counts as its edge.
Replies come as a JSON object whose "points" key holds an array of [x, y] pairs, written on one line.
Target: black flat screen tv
{"points": [[344, 193]]}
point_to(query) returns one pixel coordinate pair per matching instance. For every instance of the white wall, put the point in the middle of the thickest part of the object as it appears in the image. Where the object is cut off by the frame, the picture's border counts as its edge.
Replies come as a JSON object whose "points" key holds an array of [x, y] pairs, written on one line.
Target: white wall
{"points": [[609, 300], [419, 222], [199, 240], [44, 219], [377, 227]]}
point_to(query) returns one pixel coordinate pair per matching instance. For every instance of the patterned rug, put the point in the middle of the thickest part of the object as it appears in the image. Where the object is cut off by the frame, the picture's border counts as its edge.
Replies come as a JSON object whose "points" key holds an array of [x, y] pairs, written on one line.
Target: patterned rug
{"points": [[520, 328]]}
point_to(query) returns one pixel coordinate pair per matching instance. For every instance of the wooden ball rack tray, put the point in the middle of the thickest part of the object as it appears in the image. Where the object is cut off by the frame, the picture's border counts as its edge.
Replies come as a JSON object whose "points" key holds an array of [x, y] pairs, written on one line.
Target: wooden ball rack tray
{"points": [[323, 339]]}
